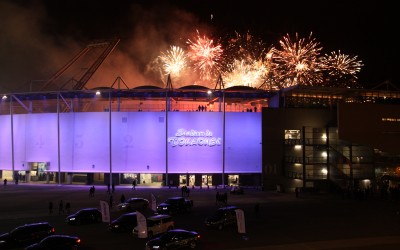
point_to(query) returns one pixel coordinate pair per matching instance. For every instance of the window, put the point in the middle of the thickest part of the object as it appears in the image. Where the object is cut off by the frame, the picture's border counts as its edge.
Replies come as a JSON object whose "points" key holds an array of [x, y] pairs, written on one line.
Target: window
{"points": [[292, 134]]}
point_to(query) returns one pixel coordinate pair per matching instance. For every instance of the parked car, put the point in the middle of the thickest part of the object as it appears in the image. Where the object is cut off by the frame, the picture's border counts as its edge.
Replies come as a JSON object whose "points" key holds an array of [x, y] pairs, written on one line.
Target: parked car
{"points": [[84, 216], [25, 235], [59, 242], [125, 223], [157, 224], [175, 205], [224, 216], [174, 239], [133, 204]]}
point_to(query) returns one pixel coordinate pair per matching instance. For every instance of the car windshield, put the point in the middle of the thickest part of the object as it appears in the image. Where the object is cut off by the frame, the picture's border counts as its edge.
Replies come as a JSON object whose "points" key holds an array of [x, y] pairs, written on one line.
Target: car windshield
{"points": [[173, 201], [134, 200], [15, 231], [219, 213], [127, 218], [167, 236]]}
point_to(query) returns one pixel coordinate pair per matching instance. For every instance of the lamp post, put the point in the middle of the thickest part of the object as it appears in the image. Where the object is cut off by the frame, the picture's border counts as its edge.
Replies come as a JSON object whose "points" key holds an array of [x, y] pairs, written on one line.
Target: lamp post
{"points": [[110, 135], [223, 139]]}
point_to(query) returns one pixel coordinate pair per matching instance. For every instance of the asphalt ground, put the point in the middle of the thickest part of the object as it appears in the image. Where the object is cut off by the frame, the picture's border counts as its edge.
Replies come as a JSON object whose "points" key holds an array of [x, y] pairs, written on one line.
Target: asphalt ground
{"points": [[311, 221]]}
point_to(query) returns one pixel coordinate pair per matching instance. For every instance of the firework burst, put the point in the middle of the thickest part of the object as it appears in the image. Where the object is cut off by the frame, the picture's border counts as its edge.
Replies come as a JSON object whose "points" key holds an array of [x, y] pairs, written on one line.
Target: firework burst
{"points": [[243, 73], [206, 57], [340, 70], [271, 76], [174, 61], [297, 61], [244, 61], [245, 47]]}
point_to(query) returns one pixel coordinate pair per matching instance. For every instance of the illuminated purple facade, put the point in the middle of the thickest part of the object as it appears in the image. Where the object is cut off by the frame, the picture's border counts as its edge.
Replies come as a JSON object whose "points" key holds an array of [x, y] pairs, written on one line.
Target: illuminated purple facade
{"points": [[161, 142]]}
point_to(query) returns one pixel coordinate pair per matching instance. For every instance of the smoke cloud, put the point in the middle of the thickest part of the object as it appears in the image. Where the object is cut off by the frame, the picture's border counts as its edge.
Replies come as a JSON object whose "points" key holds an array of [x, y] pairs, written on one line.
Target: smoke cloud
{"points": [[35, 43]]}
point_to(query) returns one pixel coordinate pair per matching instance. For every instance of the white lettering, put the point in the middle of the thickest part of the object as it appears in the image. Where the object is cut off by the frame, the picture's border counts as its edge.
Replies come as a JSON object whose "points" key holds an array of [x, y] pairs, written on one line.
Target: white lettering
{"points": [[193, 137]]}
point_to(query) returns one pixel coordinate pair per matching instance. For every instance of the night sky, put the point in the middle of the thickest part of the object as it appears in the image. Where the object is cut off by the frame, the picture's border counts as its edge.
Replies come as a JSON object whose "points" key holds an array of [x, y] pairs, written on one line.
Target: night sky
{"points": [[38, 37]]}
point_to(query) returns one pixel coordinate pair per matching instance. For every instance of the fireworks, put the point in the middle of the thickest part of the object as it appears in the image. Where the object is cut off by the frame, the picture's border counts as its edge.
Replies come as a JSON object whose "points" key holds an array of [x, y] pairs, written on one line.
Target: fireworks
{"points": [[206, 57], [245, 73], [174, 61], [246, 62], [297, 61], [245, 47], [340, 69]]}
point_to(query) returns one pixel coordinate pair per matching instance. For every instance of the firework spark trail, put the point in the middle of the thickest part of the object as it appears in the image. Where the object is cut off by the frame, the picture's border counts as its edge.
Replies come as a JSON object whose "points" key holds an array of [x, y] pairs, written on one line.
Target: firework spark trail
{"points": [[297, 61], [206, 56], [340, 70], [245, 47], [341, 64], [242, 73], [244, 63], [174, 61]]}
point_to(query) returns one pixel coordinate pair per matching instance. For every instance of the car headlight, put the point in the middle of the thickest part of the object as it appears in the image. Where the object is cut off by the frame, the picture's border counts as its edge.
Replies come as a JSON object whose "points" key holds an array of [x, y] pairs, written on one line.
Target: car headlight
{"points": [[73, 218], [165, 208], [156, 247]]}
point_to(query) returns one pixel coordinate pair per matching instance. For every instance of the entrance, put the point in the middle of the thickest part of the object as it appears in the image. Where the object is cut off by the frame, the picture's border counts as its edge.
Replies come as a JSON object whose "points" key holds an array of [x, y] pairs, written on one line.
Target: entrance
{"points": [[128, 178], [206, 180], [150, 179], [233, 180], [38, 171], [186, 180]]}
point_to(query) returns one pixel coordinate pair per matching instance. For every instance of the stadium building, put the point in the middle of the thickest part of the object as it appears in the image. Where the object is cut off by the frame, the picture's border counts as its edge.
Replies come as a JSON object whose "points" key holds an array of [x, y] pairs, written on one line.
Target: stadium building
{"points": [[310, 137]]}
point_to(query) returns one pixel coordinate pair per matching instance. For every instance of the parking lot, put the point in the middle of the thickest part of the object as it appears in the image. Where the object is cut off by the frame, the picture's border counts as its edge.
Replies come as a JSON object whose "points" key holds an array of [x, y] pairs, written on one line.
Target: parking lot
{"points": [[312, 221]]}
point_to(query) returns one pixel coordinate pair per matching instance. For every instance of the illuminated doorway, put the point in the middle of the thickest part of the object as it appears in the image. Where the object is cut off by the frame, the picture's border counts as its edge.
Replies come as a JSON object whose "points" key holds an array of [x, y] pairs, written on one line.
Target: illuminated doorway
{"points": [[183, 179], [128, 178], [206, 180], [191, 180], [233, 180], [38, 171]]}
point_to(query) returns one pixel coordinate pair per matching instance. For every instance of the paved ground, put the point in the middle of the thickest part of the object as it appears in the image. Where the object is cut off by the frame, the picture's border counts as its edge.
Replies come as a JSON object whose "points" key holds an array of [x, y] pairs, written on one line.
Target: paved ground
{"points": [[312, 221]]}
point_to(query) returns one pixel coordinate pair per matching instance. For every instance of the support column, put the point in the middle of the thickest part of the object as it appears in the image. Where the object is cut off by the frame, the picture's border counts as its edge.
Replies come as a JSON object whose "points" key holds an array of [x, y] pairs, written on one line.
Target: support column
{"points": [[303, 135], [69, 178]]}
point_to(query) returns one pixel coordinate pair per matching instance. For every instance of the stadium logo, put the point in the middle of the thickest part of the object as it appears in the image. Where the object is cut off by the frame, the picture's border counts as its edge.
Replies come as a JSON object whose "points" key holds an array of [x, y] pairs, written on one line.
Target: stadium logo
{"points": [[193, 137]]}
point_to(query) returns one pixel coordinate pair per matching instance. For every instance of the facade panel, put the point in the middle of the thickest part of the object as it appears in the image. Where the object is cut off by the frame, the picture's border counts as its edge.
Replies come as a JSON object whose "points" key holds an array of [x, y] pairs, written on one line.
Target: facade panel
{"points": [[195, 142], [138, 142], [5, 145], [243, 142]]}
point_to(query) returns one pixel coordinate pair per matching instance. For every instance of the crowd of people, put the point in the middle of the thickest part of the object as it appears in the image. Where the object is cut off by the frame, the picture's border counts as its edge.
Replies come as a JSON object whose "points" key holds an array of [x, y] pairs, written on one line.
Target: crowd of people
{"points": [[61, 208]]}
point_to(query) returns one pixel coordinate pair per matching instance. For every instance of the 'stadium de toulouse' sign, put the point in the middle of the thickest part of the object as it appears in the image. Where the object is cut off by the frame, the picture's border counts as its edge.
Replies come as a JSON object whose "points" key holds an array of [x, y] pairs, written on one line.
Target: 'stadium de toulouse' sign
{"points": [[193, 137]]}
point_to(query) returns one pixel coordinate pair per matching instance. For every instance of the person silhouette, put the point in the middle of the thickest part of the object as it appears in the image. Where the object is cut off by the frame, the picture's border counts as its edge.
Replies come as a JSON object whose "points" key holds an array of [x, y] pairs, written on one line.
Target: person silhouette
{"points": [[61, 207], [50, 207], [111, 201], [68, 207]]}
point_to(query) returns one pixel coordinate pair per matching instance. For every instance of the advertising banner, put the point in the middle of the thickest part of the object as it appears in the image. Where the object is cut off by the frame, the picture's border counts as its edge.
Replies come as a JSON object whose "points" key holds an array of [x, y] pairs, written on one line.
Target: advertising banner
{"points": [[153, 203], [141, 225], [105, 211], [240, 221]]}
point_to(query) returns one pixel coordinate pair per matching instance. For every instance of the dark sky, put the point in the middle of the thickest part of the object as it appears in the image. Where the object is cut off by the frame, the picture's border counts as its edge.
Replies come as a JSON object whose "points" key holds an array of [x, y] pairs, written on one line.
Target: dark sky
{"points": [[38, 37]]}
